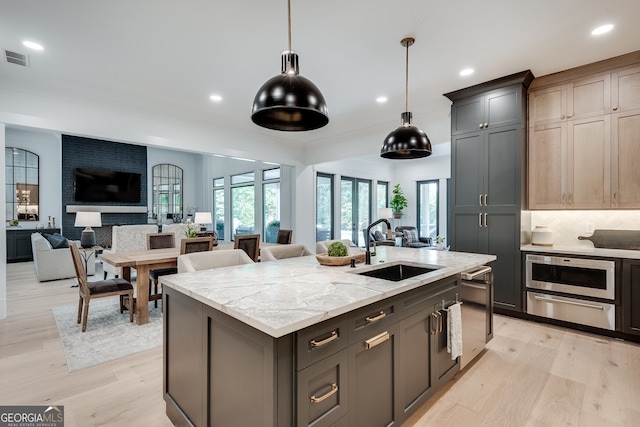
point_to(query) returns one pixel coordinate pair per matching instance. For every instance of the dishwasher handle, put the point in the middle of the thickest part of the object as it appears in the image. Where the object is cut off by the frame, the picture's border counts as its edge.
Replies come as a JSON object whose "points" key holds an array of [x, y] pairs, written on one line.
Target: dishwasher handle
{"points": [[471, 275]]}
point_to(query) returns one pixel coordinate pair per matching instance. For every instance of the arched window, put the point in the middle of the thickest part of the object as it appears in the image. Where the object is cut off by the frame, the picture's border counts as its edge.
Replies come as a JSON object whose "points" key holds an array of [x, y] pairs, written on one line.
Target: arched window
{"points": [[167, 192], [22, 178]]}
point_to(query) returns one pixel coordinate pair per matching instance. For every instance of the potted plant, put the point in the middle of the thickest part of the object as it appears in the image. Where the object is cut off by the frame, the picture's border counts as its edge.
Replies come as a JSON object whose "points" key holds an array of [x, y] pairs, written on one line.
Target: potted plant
{"points": [[440, 242], [398, 202]]}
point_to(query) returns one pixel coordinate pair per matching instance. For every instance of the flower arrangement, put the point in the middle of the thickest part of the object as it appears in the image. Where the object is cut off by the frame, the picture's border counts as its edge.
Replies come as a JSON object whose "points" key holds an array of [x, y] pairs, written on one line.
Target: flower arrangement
{"points": [[191, 231]]}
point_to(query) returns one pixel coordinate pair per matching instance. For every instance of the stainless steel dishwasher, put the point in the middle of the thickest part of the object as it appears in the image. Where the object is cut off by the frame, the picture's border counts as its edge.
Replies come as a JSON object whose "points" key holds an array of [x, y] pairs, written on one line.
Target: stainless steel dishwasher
{"points": [[477, 312]]}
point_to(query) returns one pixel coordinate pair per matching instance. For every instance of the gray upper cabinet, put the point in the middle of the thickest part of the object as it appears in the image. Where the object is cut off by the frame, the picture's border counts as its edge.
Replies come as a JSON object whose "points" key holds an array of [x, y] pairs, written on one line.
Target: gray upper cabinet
{"points": [[494, 109]]}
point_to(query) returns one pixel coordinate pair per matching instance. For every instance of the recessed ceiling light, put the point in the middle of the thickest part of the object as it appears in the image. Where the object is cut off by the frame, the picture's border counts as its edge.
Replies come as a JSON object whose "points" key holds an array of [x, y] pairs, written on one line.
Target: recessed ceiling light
{"points": [[32, 45], [381, 99], [215, 98], [466, 72], [602, 29]]}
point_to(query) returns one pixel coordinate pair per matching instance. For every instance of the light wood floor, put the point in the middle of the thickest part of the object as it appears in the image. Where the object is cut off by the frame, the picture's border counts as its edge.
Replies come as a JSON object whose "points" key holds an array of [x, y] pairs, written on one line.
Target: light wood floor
{"points": [[530, 375]]}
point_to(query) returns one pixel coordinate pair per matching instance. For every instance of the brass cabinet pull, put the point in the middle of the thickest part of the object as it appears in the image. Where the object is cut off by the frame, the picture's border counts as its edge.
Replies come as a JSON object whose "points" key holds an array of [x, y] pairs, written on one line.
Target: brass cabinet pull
{"points": [[485, 200], [479, 220], [434, 327], [570, 198], [485, 220], [374, 319], [480, 199], [378, 339], [334, 390], [615, 198], [333, 336]]}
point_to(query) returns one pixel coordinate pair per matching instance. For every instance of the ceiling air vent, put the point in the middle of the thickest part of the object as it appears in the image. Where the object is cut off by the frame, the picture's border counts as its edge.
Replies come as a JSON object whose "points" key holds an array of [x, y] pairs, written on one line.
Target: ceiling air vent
{"points": [[17, 58]]}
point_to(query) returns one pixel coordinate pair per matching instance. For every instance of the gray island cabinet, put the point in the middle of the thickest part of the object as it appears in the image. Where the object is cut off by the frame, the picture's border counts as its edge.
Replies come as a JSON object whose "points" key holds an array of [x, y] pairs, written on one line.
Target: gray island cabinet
{"points": [[293, 343]]}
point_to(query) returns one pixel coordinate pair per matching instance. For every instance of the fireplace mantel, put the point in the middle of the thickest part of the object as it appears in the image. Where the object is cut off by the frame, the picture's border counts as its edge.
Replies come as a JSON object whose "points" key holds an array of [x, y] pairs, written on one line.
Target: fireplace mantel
{"points": [[106, 209]]}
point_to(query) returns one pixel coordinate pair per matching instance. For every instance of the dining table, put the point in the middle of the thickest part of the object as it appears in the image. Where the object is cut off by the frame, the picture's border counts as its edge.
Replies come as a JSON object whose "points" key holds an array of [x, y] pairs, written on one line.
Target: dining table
{"points": [[143, 262]]}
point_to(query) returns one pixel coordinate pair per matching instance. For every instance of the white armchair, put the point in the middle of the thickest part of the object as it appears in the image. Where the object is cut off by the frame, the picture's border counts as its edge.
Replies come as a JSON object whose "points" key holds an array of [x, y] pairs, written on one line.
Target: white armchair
{"points": [[128, 238], [55, 264], [212, 259], [272, 253]]}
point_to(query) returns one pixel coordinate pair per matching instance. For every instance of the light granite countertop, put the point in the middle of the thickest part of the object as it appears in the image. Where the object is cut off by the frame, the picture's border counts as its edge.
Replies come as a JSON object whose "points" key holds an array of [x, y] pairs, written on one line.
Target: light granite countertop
{"points": [[583, 250], [284, 296]]}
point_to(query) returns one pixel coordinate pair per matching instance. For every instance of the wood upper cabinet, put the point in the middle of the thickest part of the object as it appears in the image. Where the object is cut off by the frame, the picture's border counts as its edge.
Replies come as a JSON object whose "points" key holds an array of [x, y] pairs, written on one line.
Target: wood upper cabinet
{"points": [[625, 89], [570, 165], [625, 152], [587, 97], [584, 138]]}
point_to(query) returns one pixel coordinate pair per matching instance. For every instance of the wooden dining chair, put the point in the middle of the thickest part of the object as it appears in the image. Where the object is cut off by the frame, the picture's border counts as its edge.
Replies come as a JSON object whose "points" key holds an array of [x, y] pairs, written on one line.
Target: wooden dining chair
{"points": [[103, 288], [284, 237], [196, 244], [250, 243], [159, 241]]}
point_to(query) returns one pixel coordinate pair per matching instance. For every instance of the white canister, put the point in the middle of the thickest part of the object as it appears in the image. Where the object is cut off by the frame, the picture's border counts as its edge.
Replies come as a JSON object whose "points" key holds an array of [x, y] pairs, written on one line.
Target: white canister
{"points": [[542, 236]]}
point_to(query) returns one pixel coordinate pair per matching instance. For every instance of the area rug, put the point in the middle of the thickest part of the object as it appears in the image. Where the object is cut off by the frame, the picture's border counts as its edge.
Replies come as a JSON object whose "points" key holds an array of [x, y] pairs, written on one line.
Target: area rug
{"points": [[109, 334]]}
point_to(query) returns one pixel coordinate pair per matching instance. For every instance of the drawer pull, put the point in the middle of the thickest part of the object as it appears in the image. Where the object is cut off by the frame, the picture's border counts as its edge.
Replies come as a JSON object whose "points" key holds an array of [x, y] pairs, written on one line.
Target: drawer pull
{"points": [[334, 390], [333, 336], [374, 319], [579, 304], [378, 339]]}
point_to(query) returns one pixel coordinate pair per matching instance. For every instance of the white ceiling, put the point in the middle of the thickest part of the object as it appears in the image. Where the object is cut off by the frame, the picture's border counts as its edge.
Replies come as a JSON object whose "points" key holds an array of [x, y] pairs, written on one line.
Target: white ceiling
{"points": [[167, 57]]}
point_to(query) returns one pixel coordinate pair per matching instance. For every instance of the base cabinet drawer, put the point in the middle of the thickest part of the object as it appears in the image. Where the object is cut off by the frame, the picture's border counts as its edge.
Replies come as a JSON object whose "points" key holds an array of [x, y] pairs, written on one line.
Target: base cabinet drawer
{"points": [[322, 392]]}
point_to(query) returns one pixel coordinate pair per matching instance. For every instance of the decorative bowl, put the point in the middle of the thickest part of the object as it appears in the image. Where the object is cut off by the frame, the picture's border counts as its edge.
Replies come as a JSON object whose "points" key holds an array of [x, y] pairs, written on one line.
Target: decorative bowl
{"points": [[325, 259]]}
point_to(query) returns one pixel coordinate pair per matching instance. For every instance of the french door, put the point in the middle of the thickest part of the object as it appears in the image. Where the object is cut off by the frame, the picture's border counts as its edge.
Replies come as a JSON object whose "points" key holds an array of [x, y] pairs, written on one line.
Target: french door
{"points": [[355, 208]]}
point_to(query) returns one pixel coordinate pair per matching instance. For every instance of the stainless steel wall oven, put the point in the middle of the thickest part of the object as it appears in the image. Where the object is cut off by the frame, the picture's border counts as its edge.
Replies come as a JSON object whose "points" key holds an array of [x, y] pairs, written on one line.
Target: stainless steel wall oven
{"points": [[575, 290]]}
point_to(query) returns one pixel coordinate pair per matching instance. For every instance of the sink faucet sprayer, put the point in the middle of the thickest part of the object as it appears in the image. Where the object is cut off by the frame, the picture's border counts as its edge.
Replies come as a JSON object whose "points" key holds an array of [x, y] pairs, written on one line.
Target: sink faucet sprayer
{"points": [[373, 224]]}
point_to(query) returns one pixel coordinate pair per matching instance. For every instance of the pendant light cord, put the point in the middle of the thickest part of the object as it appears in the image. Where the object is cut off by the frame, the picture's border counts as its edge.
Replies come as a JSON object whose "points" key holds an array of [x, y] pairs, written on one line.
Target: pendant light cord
{"points": [[289, 21], [406, 86]]}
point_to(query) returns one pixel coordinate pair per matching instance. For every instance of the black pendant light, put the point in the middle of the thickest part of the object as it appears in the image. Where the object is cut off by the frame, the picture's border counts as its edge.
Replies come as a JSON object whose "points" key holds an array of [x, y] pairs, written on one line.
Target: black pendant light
{"points": [[288, 101], [407, 141]]}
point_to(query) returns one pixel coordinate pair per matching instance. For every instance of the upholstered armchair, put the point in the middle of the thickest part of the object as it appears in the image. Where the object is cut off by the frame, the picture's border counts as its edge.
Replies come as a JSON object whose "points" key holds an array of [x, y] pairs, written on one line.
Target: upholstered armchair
{"points": [[212, 259], [178, 229], [128, 238], [54, 264], [410, 238], [379, 238], [272, 253]]}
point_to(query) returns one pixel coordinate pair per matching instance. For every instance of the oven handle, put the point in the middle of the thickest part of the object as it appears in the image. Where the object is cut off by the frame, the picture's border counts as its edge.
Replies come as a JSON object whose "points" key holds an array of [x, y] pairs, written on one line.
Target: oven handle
{"points": [[470, 275], [581, 304]]}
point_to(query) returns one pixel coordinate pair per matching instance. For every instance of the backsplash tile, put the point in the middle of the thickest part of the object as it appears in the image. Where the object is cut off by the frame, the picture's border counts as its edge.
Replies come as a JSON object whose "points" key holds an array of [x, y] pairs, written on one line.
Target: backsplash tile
{"points": [[568, 225]]}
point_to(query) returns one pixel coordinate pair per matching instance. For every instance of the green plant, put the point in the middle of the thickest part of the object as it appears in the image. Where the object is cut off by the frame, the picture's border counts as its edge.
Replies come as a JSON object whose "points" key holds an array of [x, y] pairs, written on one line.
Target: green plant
{"points": [[337, 249], [398, 202], [191, 231], [440, 239]]}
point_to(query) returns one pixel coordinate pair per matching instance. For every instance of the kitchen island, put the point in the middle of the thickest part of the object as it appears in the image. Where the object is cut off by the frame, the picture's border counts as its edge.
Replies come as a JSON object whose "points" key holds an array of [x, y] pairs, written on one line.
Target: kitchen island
{"points": [[294, 343]]}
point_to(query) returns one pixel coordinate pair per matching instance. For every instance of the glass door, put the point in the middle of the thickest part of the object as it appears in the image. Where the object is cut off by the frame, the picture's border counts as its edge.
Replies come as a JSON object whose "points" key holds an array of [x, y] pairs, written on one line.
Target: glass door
{"points": [[355, 208]]}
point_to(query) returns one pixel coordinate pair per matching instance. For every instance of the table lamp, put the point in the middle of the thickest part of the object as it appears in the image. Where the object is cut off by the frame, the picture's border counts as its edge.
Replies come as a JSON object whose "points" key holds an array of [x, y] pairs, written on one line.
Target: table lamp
{"points": [[388, 214], [202, 218], [88, 220]]}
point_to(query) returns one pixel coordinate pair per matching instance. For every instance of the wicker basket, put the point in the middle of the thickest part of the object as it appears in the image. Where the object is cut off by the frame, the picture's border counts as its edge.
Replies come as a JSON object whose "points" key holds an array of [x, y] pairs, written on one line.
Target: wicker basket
{"points": [[325, 259]]}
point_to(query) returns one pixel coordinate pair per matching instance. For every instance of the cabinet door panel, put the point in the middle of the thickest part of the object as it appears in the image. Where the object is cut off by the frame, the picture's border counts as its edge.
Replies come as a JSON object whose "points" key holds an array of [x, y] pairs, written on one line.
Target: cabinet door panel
{"points": [[589, 167], [468, 166], [443, 365], [467, 232], [547, 105], [415, 350], [631, 297], [625, 154], [589, 97], [503, 240], [467, 115], [371, 374], [626, 90], [547, 146], [503, 167], [502, 108]]}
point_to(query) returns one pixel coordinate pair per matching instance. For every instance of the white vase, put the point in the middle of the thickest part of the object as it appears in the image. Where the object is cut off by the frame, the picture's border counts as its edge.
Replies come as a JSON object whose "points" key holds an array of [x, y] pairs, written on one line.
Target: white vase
{"points": [[542, 236]]}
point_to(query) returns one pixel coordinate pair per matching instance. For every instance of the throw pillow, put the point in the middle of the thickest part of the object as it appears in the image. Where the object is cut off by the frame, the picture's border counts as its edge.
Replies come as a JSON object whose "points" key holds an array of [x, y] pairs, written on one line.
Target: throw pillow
{"points": [[56, 240], [411, 235], [378, 235]]}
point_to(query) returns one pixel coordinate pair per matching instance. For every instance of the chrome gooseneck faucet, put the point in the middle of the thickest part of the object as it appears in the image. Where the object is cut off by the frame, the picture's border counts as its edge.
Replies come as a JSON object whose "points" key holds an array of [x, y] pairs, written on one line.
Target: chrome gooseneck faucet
{"points": [[373, 224]]}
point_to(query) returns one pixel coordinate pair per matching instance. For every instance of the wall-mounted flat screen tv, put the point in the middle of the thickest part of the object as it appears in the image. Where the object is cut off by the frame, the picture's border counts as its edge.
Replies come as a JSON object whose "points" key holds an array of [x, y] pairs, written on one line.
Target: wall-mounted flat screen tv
{"points": [[104, 185]]}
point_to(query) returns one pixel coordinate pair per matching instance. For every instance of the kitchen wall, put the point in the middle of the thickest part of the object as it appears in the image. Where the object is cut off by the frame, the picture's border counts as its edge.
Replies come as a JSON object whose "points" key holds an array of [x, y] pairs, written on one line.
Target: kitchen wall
{"points": [[568, 225]]}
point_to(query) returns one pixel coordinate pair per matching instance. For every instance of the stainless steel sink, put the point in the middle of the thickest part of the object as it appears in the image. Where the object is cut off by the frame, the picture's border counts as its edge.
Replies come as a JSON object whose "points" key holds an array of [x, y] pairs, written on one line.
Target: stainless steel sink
{"points": [[398, 272]]}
